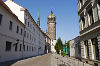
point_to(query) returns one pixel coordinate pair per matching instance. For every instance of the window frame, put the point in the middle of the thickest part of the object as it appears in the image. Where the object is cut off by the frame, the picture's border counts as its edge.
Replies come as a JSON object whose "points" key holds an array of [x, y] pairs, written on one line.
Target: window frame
{"points": [[10, 25], [8, 47]]}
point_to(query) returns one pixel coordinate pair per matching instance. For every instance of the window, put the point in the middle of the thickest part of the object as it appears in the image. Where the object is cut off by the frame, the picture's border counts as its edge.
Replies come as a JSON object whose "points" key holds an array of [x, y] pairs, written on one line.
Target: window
{"points": [[20, 47], [91, 20], [83, 21], [30, 36], [8, 46], [17, 29], [10, 26], [27, 48], [81, 3], [86, 49], [95, 48], [98, 5], [95, 64], [28, 24], [21, 31], [0, 18]]}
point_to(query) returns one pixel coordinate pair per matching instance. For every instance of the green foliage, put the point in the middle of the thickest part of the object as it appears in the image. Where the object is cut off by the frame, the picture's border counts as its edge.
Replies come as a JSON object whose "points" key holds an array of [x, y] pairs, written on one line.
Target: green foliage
{"points": [[59, 45], [63, 53]]}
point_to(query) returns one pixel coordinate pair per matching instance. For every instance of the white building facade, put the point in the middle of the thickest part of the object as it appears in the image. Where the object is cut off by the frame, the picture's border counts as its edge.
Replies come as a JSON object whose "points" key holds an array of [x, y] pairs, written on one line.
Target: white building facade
{"points": [[20, 36]]}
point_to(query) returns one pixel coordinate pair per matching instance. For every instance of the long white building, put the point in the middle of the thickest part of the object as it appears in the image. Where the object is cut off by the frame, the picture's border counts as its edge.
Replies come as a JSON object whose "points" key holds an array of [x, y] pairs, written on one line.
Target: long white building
{"points": [[20, 36]]}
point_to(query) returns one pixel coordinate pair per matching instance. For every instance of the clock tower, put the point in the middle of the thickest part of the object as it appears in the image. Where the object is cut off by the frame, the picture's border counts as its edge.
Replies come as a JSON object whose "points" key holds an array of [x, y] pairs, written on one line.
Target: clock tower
{"points": [[52, 30]]}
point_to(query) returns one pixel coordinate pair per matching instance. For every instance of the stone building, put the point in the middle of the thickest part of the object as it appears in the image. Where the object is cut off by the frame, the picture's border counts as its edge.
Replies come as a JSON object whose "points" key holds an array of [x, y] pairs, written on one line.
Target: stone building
{"points": [[89, 24], [48, 43], [52, 30], [20, 36], [75, 50]]}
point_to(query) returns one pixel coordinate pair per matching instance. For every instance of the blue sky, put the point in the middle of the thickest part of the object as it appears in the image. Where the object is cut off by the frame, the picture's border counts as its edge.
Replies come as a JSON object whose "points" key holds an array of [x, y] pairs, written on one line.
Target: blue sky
{"points": [[65, 11]]}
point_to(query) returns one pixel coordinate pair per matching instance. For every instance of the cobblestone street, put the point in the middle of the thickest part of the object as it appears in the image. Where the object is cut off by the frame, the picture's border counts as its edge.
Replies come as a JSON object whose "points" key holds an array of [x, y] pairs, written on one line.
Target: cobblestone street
{"points": [[48, 60], [45, 60]]}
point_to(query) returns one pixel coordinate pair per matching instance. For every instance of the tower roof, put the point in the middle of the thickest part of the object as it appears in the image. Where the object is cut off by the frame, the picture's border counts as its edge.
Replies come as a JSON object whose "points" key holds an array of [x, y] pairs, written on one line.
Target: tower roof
{"points": [[51, 15]]}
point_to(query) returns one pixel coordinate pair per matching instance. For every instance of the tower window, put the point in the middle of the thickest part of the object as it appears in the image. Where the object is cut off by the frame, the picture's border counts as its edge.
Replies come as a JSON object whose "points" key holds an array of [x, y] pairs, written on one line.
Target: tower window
{"points": [[8, 46], [0, 18]]}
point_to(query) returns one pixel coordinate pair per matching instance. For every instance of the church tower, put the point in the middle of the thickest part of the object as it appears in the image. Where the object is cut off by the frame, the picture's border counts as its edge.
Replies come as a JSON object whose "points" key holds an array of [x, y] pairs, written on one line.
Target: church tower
{"points": [[52, 30]]}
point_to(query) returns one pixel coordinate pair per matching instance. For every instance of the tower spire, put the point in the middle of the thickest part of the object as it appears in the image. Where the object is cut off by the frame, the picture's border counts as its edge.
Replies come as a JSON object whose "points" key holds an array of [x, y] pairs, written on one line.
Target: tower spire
{"points": [[51, 11], [38, 20]]}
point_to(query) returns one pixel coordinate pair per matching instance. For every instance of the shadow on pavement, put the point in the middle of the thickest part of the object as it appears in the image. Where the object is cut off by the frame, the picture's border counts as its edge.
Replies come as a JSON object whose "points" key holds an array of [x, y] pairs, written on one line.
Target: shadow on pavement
{"points": [[61, 65]]}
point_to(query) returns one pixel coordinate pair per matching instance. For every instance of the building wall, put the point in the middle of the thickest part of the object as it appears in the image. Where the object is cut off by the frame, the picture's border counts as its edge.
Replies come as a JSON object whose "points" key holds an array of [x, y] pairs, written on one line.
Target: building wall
{"points": [[75, 48], [9, 35], [33, 39], [72, 48], [89, 28], [37, 37]]}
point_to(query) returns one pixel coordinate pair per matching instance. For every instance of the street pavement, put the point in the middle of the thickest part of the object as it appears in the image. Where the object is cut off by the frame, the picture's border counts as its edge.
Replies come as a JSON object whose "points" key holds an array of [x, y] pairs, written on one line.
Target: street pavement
{"points": [[45, 60], [48, 60]]}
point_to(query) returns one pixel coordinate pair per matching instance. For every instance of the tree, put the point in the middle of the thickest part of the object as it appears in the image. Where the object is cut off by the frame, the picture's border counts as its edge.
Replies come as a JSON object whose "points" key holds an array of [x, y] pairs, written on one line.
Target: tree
{"points": [[59, 45]]}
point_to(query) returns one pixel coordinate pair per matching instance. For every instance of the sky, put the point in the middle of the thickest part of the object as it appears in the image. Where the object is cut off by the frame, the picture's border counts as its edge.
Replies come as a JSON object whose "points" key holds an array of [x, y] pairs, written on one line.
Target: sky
{"points": [[66, 13]]}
